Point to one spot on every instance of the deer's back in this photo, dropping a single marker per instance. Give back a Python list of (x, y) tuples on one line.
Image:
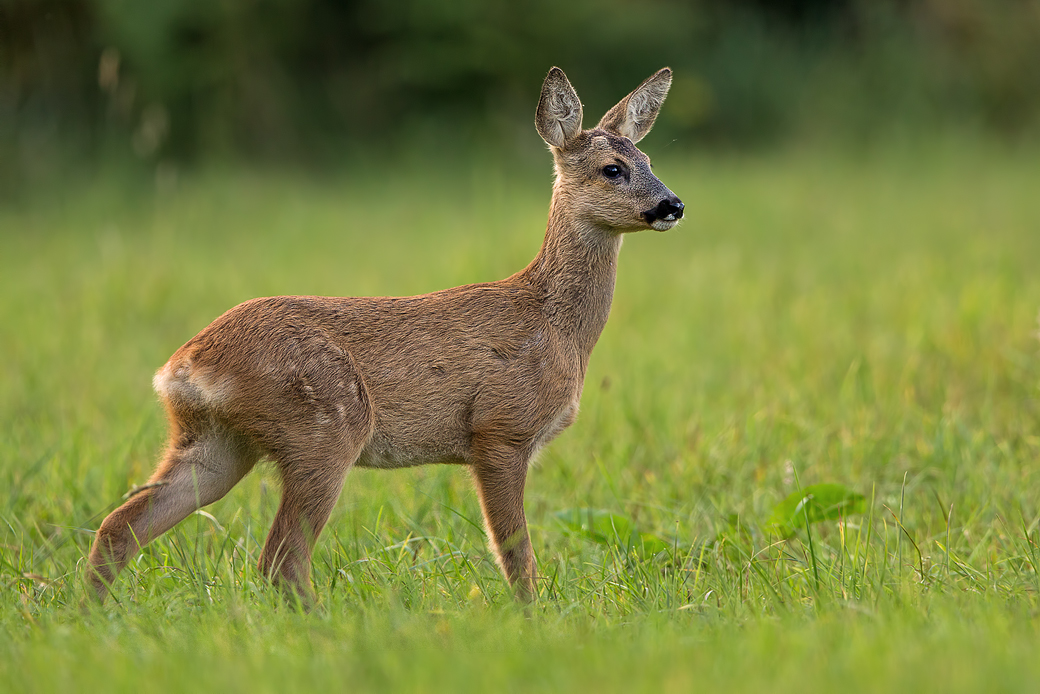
[(427, 374)]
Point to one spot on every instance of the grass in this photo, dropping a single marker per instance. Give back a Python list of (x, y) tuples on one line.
[(867, 319)]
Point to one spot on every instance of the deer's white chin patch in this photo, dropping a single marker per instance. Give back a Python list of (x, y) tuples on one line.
[(663, 224)]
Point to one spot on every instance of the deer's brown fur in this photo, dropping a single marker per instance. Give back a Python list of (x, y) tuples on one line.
[(482, 375)]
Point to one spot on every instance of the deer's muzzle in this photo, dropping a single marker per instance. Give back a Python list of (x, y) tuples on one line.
[(668, 210)]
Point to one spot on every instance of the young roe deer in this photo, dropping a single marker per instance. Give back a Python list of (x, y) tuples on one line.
[(482, 375)]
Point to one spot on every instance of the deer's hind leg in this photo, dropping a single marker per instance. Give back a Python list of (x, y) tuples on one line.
[(203, 462), (313, 449)]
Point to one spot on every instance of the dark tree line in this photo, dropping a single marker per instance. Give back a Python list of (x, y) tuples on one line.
[(182, 78)]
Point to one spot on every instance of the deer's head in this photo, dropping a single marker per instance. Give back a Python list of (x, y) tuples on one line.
[(602, 177)]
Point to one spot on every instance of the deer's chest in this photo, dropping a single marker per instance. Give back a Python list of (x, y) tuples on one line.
[(562, 419)]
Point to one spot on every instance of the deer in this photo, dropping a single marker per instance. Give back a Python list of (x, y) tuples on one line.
[(482, 375)]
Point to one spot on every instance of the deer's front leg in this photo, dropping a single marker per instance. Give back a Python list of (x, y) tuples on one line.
[(500, 473)]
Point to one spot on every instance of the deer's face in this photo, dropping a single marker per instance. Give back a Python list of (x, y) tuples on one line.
[(601, 175), (610, 182)]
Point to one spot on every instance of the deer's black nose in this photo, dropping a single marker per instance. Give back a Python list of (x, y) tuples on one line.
[(669, 209)]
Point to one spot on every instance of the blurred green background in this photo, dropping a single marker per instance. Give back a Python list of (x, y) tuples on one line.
[(319, 81)]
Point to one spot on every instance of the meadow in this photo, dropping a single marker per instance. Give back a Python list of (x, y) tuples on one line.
[(863, 317)]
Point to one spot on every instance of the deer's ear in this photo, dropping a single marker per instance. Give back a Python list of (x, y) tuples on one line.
[(558, 117), (634, 115)]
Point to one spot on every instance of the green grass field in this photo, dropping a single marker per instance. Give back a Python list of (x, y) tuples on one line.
[(862, 319)]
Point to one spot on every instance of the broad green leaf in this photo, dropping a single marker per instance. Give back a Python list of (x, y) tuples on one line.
[(817, 502), (608, 528)]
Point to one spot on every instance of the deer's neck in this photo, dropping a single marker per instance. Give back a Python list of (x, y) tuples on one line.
[(575, 271)]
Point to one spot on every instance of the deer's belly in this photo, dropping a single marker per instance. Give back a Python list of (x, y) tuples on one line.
[(388, 453)]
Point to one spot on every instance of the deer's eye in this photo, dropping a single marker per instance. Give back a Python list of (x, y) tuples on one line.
[(611, 171)]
